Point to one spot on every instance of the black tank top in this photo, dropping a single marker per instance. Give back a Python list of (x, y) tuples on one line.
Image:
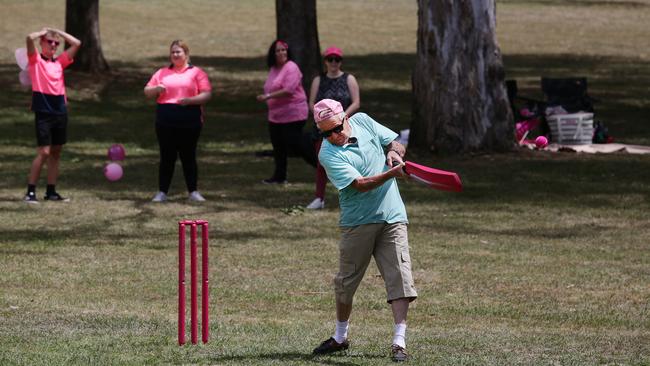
[(336, 89)]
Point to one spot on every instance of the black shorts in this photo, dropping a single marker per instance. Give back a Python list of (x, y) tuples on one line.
[(51, 129)]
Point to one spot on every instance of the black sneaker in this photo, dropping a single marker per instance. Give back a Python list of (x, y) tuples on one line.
[(274, 181), (55, 197), (398, 353), (30, 198), (330, 346)]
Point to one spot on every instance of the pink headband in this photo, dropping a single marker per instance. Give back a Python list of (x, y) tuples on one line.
[(283, 43)]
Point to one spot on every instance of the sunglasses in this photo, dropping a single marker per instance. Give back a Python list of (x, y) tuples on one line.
[(52, 42), (333, 59), (328, 133)]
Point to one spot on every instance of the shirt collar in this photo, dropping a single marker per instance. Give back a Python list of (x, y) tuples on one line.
[(53, 59), (352, 141), (189, 66)]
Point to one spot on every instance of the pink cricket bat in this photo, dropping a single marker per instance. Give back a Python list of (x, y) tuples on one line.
[(434, 178)]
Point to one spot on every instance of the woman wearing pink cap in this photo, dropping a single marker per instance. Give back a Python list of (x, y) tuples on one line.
[(287, 105), (181, 90), (337, 85)]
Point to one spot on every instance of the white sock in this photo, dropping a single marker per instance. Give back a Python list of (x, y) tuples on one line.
[(400, 335), (341, 333)]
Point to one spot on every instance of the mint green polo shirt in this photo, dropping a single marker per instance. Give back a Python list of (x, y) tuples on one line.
[(365, 158)]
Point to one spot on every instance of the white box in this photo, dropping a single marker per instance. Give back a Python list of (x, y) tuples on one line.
[(572, 129)]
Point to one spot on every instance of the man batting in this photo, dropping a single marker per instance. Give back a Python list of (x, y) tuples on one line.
[(373, 217)]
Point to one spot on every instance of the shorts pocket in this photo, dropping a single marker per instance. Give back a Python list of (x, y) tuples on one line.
[(405, 256)]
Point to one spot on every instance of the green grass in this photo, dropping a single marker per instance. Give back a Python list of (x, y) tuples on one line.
[(543, 259)]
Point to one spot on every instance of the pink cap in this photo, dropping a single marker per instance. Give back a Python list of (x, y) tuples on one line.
[(326, 109), (333, 51)]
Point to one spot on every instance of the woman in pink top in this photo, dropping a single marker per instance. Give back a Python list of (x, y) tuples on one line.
[(181, 90), (287, 104)]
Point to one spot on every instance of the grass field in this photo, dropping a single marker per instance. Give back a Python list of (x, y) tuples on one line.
[(543, 259)]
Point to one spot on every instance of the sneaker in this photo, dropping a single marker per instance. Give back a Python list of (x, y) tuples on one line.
[(159, 197), (196, 197), (55, 197), (316, 204), (274, 181), (398, 353), (330, 346), (30, 198)]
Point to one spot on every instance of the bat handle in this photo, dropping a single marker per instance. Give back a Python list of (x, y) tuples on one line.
[(396, 163)]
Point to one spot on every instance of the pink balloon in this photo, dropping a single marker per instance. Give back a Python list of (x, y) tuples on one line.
[(541, 142), (113, 171), (21, 58), (116, 152)]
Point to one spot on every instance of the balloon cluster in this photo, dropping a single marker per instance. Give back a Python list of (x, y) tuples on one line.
[(113, 171)]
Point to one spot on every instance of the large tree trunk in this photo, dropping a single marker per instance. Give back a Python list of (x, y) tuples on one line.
[(82, 21), (460, 100), (296, 25)]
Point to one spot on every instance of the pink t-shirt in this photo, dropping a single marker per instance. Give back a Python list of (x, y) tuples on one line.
[(189, 82), (291, 108), (47, 75)]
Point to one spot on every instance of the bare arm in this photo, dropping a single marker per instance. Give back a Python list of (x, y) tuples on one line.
[(313, 91), (71, 40), (154, 91), (280, 93), (396, 152), (365, 184), (31, 47), (198, 99), (354, 94)]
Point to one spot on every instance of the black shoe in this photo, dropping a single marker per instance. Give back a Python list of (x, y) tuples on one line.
[(330, 346), (30, 198), (398, 353), (55, 197), (274, 181)]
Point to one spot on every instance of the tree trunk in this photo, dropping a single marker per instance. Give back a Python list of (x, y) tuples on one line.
[(296, 25), (82, 21), (460, 99)]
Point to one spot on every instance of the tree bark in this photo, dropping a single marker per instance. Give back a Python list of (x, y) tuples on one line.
[(460, 99), (297, 25), (82, 21)]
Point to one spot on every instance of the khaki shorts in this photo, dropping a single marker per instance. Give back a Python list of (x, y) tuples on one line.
[(388, 244)]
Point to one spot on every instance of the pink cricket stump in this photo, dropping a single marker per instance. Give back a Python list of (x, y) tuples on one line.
[(193, 294), (181, 283), (205, 327), (205, 291)]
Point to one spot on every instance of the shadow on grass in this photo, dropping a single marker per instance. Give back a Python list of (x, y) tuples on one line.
[(118, 112), (336, 360)]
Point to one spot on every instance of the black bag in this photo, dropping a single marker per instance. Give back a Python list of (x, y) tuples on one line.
[(569, 93)]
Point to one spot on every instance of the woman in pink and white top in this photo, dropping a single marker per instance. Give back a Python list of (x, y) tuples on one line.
[(181, 90), (288, 110)]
